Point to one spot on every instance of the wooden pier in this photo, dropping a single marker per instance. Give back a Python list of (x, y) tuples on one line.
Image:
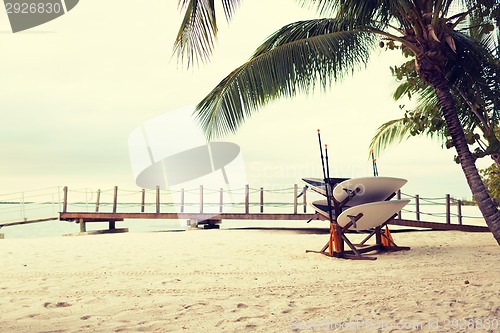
[(14, 223), (212, 220)]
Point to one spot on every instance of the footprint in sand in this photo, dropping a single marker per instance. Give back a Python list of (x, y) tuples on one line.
[(241, 306), (49, 305)]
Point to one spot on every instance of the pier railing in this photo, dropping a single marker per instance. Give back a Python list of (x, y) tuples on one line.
[(42, 204), (30, 206)]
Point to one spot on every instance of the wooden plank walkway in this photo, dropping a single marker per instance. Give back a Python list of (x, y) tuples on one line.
[(102, 217), (439, 226), (112, 217), (13, 223)]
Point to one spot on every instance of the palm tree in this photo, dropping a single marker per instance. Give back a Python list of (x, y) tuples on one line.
[(303, 54), (476, 100)]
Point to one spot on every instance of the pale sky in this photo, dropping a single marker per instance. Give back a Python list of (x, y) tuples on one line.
[(72, 91)]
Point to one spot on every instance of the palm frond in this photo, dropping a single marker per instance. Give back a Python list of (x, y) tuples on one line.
[(198, 31), (402, 90), (364, 12), (293, 60), (391, 132)]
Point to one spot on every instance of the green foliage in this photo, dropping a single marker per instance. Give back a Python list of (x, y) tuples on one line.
[(491, 179)]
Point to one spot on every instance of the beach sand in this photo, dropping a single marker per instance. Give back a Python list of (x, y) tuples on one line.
[(247, 280)]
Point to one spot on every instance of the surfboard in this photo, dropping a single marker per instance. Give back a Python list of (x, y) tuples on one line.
[(371, 189), (318, 184), (374, 214), (321, 206)]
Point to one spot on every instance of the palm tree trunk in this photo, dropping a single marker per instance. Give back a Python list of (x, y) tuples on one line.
[(496, 160), (486, 205)]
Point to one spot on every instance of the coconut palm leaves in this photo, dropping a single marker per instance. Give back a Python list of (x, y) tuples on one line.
[(293, 60), (196, 36)]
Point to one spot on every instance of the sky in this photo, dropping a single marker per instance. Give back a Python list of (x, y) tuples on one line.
[(74, 89)]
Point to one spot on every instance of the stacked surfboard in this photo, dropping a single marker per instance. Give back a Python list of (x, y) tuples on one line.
[(364, 203)]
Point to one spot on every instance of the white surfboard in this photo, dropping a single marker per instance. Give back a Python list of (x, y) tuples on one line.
[(318, 184), (371, 189), (374, 214)]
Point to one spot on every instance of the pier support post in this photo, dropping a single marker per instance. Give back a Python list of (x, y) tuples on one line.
[(295, 193), (448, 204), (98, 201), (193, 224), (417, 206), (157, 199), (247, 199), (304, 193), (221, 199), (115, 198), (262, 200), (65, 199), (143, 200), (398, 196), (459, 211), (83, 227)]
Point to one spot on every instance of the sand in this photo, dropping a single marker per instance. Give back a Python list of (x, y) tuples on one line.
[(247, 280)]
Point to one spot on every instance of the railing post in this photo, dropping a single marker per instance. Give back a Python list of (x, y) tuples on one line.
[(23, 208), (398, 196), (262, 200), (65, 199), (304, 191), (247, 199), (221, 199), (295, 193), (201, 198), (182, 200), (115, 199), (417, 206), (448, 215), (459, 211), (97, 202), (143, 200), (157, 199), (83, 227)]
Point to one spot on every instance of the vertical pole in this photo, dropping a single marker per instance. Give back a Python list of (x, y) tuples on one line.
[(97, 202), (459, 211), (59, 197), (417, 206), (295, 198), (262, 200), (143, 200), (83, 228), (305, 200), (398, 196), (53, 204), (221, 199), (448, 217), (182, 200), (115, 198), (201, 198), (23, 211), (65, 199), (247, 199), (86, 200), (378, 236), (157, 199)]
